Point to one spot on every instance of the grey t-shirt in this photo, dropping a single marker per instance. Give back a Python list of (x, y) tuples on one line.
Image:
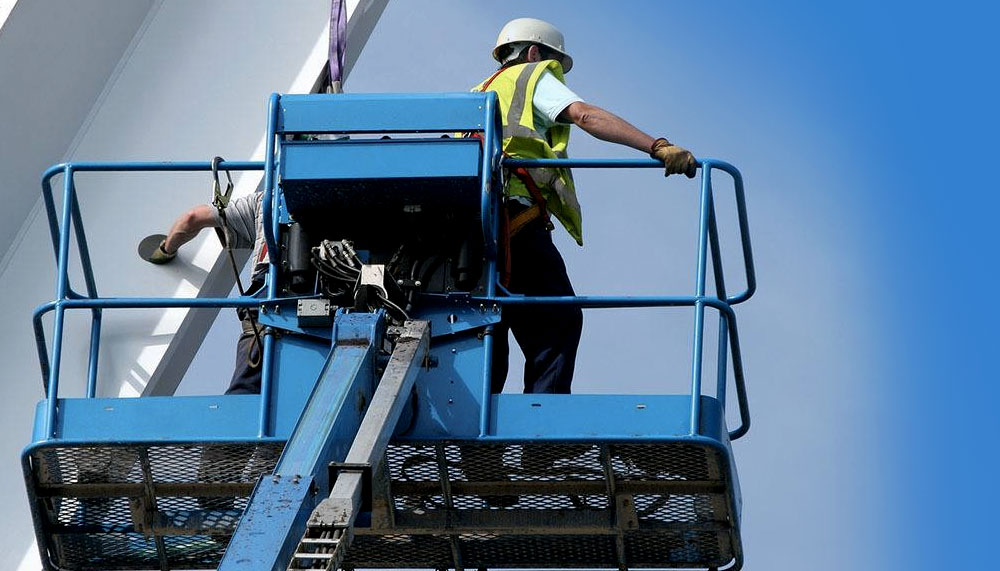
[(245, 228)]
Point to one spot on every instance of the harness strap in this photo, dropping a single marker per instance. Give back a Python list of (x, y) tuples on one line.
[(536, 210), (509, 227), (523, 218), (250, 326), (487, 83), (220, 200)]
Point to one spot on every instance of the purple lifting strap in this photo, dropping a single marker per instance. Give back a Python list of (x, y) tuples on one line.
[(338, 40)]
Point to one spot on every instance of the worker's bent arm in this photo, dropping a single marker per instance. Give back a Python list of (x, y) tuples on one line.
[(188, 225), (606, 126)]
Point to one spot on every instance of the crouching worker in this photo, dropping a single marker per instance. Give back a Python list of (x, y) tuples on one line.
[(239, 225)]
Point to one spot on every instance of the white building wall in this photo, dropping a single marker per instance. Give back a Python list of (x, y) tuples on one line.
[(128, 80), (55, 59)]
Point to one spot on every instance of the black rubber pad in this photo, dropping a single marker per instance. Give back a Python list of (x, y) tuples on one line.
[(149, 244)]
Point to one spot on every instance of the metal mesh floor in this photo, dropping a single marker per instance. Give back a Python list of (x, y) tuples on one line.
[(461, 505), (142, 506), (443, 505)]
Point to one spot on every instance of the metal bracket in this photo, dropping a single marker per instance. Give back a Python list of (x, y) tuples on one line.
[(314, 313), (329, 529), (338, 468)]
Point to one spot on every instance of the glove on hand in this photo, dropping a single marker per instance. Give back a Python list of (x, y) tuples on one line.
[(677, 160), (160, 256)]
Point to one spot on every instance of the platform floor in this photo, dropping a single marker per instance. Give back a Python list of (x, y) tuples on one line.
[(170, 506), (435, 505), (594, 505)]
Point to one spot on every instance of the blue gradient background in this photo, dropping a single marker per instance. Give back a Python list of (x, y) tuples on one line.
[(866, 134)]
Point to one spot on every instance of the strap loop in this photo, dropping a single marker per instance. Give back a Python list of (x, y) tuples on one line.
[(536, 195), (220, 199), (524, 217)]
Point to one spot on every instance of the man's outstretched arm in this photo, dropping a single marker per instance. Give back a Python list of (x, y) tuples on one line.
[(607, 126), (188, 225), (182, 231)]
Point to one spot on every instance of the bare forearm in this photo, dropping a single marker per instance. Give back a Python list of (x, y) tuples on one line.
[(187, 226), (607, 126)]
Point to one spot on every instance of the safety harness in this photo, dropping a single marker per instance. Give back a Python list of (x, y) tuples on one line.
[(510, 226), (220, 200), (537, 209)]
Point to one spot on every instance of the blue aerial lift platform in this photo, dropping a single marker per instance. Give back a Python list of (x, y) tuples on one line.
[(375, 441)]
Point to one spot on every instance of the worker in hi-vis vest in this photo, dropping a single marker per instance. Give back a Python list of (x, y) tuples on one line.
[(537, 109)]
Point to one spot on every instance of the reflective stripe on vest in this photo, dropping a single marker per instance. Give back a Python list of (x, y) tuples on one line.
[(515, 88)]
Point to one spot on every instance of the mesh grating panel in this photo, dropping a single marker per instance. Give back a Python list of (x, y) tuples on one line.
[(549, 464), (109, 514), (115, 527), (563, 479), (242, 463), (213, 515), (88, 464), (692, 548), (659, 462), (675, 548), (551, 551), (560, 461), (496, 463), (413, 463), (417, 503), (679, 508), (217, 515), (466, 502), (431, 551), (96, 551), (104, 532), (134, 551), (483, 463)]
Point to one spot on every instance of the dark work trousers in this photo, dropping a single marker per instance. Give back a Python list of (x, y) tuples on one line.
[(247, 373), (547, 335)]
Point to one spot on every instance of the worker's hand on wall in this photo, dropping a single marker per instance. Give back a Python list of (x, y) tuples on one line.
[(677, 160), (160, 256), (151, 249)]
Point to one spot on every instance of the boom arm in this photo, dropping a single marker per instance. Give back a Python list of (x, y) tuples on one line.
[(275, 518)]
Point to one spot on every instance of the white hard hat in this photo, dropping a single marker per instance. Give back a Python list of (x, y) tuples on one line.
[(533, 31)]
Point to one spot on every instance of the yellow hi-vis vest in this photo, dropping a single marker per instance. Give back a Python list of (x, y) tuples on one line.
[(515, 88)]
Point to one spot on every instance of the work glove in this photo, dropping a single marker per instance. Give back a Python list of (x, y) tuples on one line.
[(160, 256), (151, 250), (677, 160)]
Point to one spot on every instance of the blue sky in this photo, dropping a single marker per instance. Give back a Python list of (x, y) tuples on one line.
[(865, 132)]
